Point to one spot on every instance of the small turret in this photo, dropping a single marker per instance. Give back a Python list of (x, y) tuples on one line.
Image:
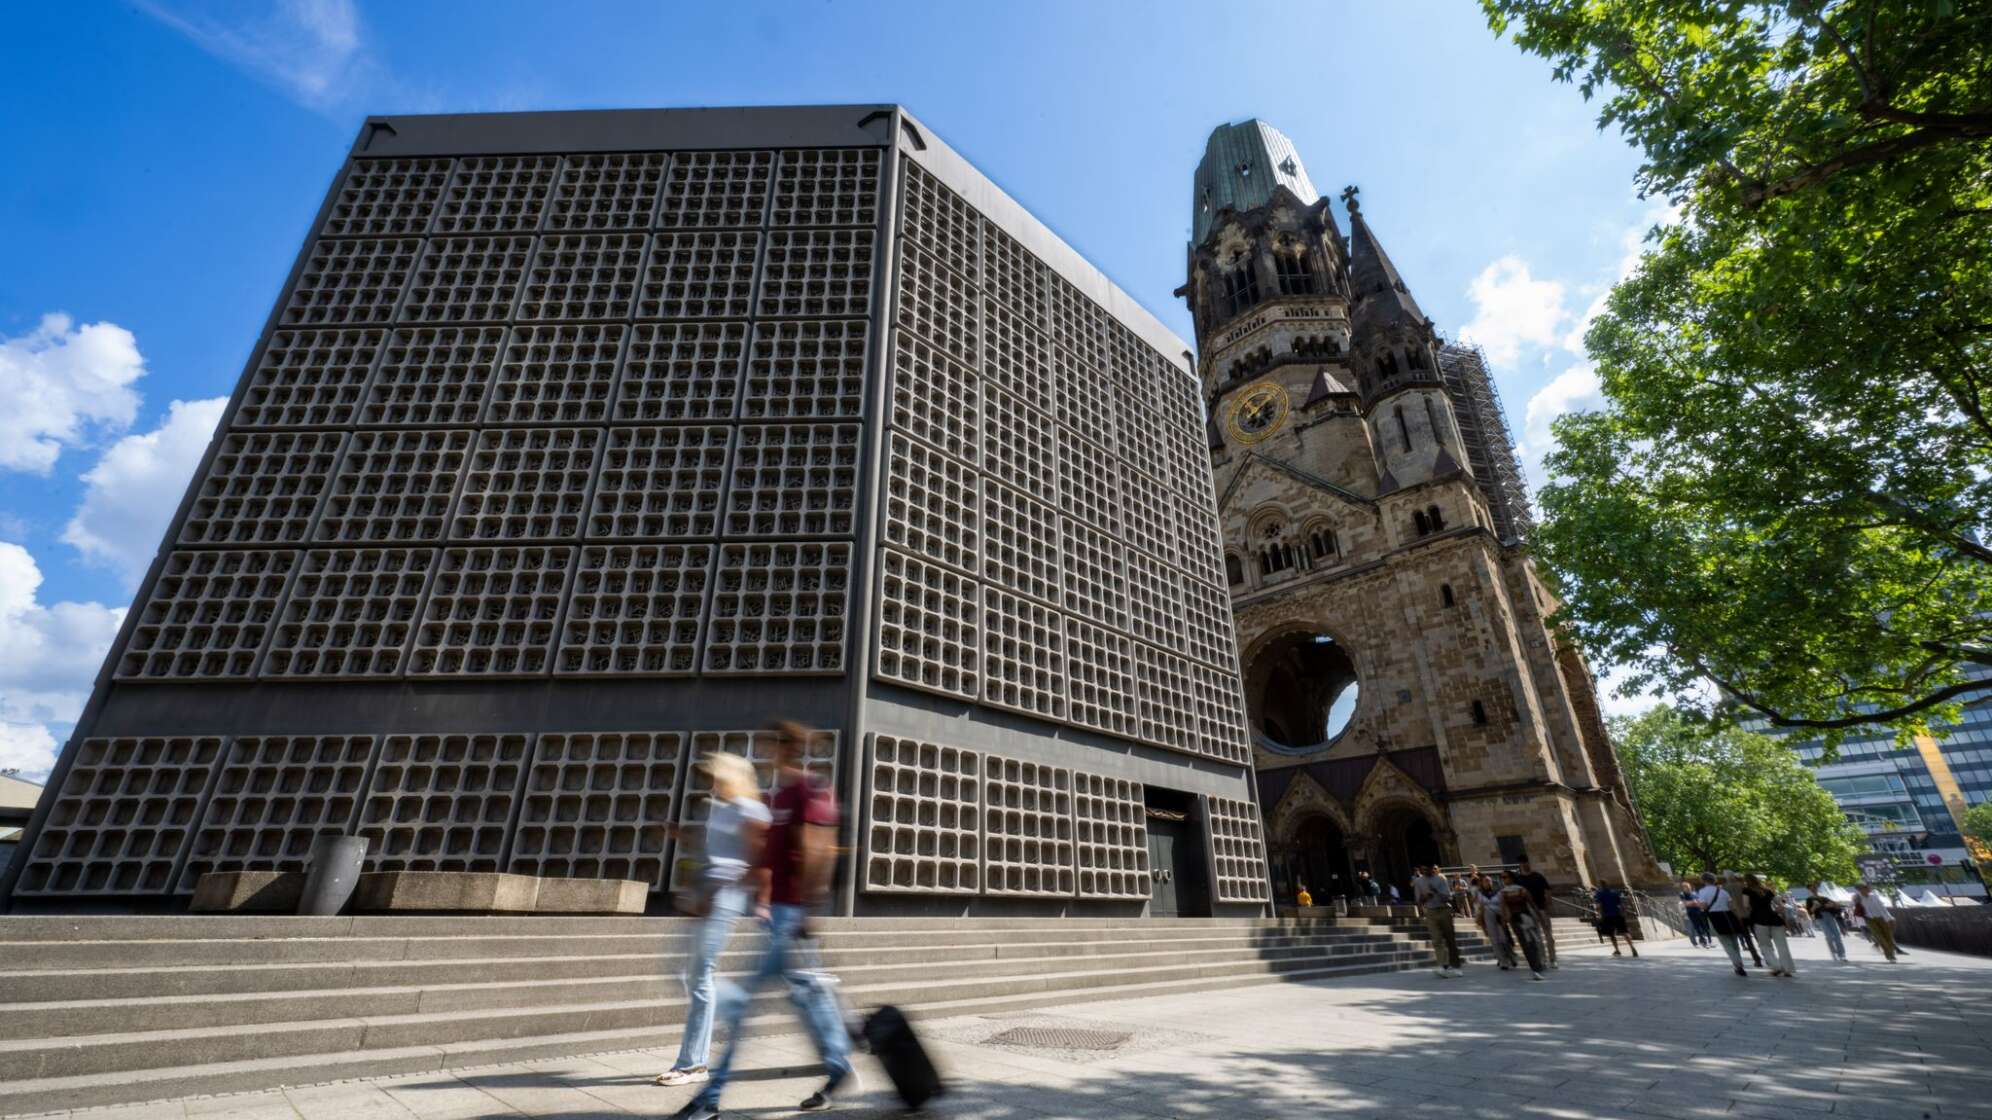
[(1411, 418)]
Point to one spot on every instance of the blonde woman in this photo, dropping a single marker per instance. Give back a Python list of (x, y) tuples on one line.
[(731, 839)]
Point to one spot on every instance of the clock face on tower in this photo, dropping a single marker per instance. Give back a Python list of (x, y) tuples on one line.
[(1257, 411)]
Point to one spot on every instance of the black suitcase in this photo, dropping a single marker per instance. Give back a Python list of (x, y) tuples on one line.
[(891, 1040)]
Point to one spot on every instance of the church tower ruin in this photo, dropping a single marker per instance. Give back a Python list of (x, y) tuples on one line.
[(1408, 701)]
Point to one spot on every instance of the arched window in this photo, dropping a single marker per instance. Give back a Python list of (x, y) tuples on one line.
[(1432, 515), (1432, 419), (1234, 570), (1241, 286), (1296, 272), (1479, 713), (1414, 357), (1321, 543), (1403, 429), (1445, 594), (1386, 366), (1418, 520)]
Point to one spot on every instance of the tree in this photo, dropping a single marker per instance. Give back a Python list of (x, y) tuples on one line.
[(1718, 798), (1787, 491), (1978, 823)]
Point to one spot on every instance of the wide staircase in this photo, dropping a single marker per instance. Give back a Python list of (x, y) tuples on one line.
[(109, 1010)]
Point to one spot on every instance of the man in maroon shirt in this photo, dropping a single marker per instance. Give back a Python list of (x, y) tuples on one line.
[(797, 857)]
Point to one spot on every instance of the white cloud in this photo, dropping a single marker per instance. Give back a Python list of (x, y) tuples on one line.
[(134, 490), (1632, 247), (1512, 308), (310, 49), (58, 384), (49, 656), (1575, 389)]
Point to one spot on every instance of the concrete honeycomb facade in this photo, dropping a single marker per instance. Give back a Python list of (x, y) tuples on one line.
[(579, 443)]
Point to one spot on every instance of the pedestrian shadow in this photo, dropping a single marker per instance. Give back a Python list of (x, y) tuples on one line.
[(1896, 1041)]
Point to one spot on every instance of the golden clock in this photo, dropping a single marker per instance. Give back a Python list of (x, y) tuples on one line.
[(1257, 411)]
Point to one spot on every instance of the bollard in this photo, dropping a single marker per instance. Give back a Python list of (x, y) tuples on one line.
[(335, 871)]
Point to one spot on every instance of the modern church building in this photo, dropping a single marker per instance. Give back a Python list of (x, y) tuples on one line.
[(579, 444)]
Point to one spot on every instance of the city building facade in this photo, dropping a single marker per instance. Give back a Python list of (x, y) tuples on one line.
[(1408, 700), (580, 444), (1910, 799)]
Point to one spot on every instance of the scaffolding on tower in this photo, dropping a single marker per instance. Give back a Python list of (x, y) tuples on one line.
[(1490, 446)]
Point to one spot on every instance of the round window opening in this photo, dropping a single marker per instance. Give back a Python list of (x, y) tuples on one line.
[(1304, 693)]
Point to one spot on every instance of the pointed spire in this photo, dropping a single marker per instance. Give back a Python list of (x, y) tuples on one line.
[(1373, 280), (1326, 385)]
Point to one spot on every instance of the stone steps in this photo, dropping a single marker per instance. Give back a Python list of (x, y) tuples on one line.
[(25, 988), (300, 1001)]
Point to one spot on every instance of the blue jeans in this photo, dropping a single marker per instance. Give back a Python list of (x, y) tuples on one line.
[(708, 942), (1698, 930), (811, 996), (1829, 924)]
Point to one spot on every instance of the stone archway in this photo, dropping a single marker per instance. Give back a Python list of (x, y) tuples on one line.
[(1309, 842), (1405, 839), (1302, 689), (1399, 825)]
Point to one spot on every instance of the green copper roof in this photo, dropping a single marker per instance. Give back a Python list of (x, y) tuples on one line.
[(1241, 164)]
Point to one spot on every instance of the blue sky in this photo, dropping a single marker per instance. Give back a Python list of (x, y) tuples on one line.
[(166, 157)]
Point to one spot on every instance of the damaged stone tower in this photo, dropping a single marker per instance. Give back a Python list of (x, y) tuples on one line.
[(1408, 701)]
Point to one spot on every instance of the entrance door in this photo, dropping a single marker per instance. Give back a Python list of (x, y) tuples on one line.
[(1176, 868), (1164, 837)]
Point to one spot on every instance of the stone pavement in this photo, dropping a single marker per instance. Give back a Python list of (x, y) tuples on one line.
[(1672, 1035)]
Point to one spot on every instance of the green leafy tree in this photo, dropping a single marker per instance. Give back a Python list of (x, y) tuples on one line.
[(1717, 798), (1978, 823), (1787, 491)]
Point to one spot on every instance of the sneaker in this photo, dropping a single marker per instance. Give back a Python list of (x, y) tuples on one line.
[(696, 1109), (1740, 972), (1616, 953), (1535, 976), (692, 1076), (820, 1100)]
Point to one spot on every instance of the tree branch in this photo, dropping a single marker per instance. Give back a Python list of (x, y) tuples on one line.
[(1755, 195), (1779, 719)]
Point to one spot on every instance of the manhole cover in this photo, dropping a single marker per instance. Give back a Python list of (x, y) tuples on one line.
[(1061, 1038)]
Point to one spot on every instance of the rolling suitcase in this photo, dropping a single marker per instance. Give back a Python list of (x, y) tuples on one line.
[(891, 1040)]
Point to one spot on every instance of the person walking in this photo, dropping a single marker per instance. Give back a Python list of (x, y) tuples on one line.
[(1717, 902), (1302, 898), (1519, 908), (1698, 927), (1488, 899), (1433, 896), (1770, 923), (794, 877), (1537, 885), (1611, 918), (1796, 919), (1370, 888), (1740, 906), (736, 826), (1873, 909), (1826, 915)]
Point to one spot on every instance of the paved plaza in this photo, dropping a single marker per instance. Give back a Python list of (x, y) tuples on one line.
[(1672, 1034)]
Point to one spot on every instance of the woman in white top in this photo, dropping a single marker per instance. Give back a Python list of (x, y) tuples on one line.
[(1715, 902), (736, 824)]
